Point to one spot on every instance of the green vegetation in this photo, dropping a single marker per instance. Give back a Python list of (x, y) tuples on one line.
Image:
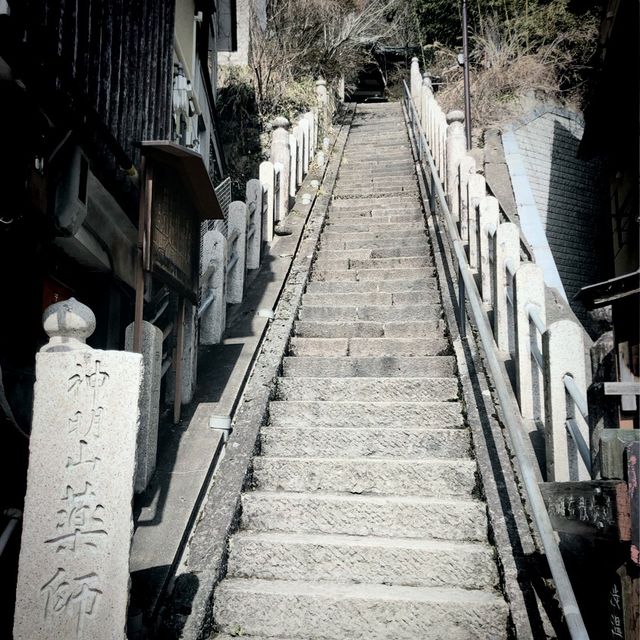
[(518, 50)]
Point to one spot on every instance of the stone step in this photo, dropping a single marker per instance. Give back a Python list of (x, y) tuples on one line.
[(366, 415), (376, 182), (357, 442), (373, 298), (358, 275), (369, 286), (406, 517), (401, 251), (391, 234), (373, 226), (376, 169), (400, 389), (364, 329), (367, 476), (339, 243), (347, 191), (382, 201), (374, 213), (396, 218), (369, 367), (371, 560), (402, 262), (358, 611), (400, 313), (354, 347)]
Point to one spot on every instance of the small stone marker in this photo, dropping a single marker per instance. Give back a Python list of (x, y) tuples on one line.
[(73, 580)]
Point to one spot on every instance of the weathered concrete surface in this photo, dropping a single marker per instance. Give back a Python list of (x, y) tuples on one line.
[(405, 613), (365, 447), (414, 442), (336, 558), (188, 613)]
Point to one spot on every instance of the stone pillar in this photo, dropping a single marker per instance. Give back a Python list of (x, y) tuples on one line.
[(528, 291), (466, 169), (415, 81), (477, 191), (456, 148), (426, 93), (507, 249), (563, 353), (237, 251), (310, 118), (294, 159), (297, 133), (304, 125), (280, 153), (277, 192), (322, 96), (254, 232), (147, 445), (266, 178), (213, 279), (73, 578), (189, 372), (489, 212)]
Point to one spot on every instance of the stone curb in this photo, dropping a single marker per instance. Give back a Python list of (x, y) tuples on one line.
[(507, 514), (188, 613)]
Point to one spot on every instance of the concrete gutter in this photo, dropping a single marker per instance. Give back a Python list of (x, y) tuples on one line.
[(188, 611)]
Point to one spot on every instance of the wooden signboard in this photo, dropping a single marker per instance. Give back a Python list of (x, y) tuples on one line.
[(598, 508)]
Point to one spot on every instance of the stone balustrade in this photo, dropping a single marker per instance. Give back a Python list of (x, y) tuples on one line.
[(550, 366)]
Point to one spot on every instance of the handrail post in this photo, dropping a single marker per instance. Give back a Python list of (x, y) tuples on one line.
[(267, 179), (477, 191), (238, 223), (563, 354), (416, 80), (489, 213), (456, 149), (466, 169), (507, 247), (528, 290)]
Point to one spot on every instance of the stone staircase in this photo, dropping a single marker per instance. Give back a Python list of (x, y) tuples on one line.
[(365, 520)]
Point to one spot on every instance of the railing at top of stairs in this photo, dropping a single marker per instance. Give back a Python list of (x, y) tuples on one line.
[(468, 291)]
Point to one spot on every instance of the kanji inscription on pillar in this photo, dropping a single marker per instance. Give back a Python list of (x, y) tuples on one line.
[(74, 562)]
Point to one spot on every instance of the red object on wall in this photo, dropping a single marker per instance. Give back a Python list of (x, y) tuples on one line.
[(54, 291)]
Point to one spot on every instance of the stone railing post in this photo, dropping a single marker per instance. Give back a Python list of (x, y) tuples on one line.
[(528, 291), (73, 576), (322, 96), (415, 81), (477, 191), (189, 371), (213, 285), (507, 249), (311, 118), (267, 180), (294, 158), (281, 153), (238, 250), (306, 137), (278, 193), (254, 213), (456, 148), (563, 354), (297, 132), (489, 213), (147, 446), (466, 169), (423, 107)]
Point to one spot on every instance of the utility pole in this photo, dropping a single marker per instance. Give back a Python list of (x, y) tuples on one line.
[(467, 88)]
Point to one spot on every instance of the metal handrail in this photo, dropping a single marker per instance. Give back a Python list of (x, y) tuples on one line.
[(511, 413), (583, 448), (579, 400)]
